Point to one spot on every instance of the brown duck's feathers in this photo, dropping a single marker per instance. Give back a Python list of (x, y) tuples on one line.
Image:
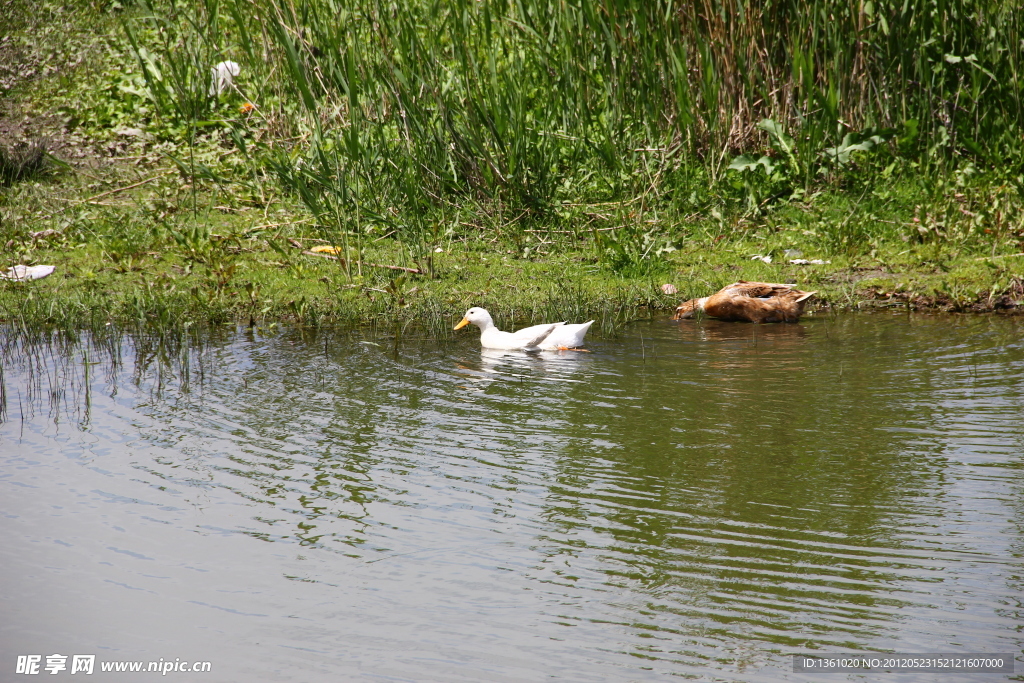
[(755, 302)]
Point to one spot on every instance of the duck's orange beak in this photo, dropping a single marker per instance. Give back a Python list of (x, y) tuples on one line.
[(462, 323)]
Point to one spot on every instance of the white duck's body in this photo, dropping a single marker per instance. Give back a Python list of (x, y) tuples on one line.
[(549, 337)]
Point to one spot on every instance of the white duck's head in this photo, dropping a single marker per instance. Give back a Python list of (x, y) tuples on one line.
[(478, 316)]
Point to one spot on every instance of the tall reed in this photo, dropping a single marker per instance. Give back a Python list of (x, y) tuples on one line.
[(406, 108)]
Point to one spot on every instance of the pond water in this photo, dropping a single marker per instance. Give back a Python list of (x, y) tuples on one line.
[(698, 500)]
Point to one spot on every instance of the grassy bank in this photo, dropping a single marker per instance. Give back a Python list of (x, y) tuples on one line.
[(545, 160)]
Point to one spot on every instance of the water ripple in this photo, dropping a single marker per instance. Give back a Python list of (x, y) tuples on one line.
[(700, 506)]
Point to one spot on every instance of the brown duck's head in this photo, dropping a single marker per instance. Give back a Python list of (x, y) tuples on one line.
[(688, 308)]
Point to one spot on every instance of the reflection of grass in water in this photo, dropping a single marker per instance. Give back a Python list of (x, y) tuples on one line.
[(56, 369), (61, 367)]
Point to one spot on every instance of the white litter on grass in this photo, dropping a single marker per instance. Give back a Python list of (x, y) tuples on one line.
[(757, 257), (22, 273), (808, 262), (224, 76)]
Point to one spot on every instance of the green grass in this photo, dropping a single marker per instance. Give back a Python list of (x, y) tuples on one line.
[(565, 158)]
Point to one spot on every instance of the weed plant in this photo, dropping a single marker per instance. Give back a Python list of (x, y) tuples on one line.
[(23, 162)]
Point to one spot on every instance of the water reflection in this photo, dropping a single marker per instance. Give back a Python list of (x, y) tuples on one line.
[(695, 499), (516, 366)]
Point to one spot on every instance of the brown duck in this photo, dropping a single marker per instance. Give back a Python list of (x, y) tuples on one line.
[(752, 302)]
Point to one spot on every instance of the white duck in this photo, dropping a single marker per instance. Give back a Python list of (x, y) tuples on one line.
[(550, 337)]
